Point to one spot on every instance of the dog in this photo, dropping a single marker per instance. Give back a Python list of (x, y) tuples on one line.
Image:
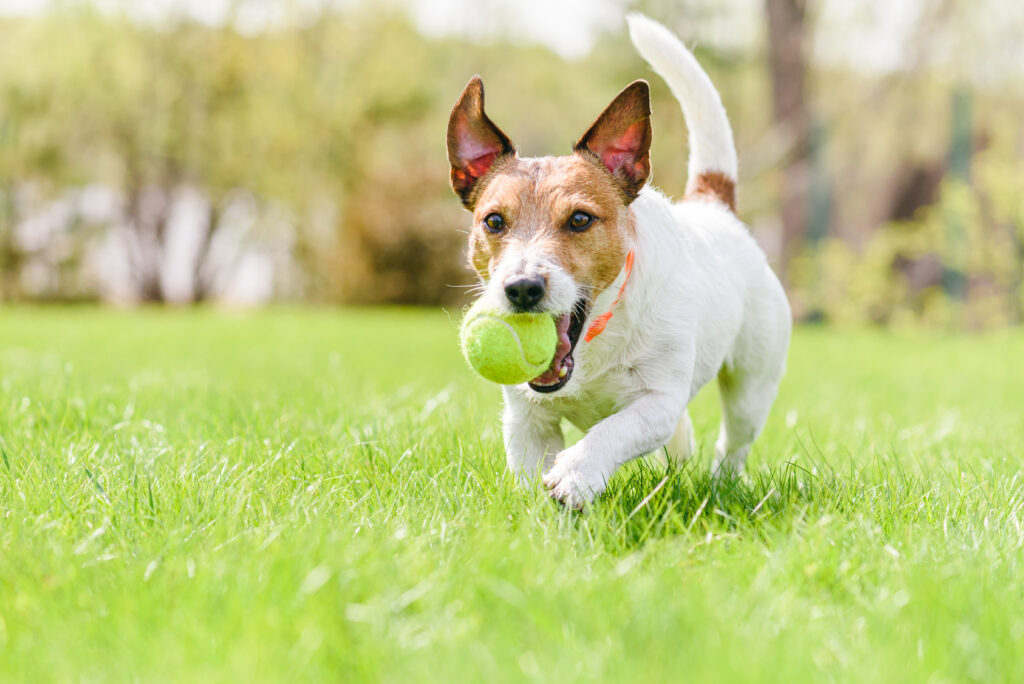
[(652, 298)]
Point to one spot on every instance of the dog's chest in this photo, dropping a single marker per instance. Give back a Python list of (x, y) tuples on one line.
[(598, 399)]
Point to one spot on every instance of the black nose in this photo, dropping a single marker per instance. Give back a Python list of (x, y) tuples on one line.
[(524, 293)]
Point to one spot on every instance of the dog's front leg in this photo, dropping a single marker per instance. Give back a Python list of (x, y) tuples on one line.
[(582, 471), (533, 436)]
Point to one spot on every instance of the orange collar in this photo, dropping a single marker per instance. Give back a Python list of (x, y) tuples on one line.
[(597, 327)]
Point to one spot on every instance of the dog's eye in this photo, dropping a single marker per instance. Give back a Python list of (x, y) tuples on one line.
[(580, 221), (494, 223)]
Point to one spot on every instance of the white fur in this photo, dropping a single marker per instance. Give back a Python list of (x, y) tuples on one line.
[(702, 303)]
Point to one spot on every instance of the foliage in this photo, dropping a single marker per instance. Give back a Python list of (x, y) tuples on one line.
[(317, 145), (975, 229), (296, 495), (295, 118)]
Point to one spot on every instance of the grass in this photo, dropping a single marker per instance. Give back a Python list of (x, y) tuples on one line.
[(319, 495)]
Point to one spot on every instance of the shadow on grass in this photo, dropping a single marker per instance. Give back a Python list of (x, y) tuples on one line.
[(652, 502), (648, 502)]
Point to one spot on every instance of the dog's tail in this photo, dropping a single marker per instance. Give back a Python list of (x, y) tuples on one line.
[(713, 168)]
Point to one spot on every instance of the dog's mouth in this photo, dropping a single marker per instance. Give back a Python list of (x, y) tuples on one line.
[(569, 327)]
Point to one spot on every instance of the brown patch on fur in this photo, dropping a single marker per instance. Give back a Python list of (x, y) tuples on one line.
[(536, 197), (712, 185)]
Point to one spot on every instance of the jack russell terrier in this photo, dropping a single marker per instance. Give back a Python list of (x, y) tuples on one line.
[(652, 298)]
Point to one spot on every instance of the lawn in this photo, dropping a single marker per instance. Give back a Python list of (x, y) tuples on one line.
[(319, 495)]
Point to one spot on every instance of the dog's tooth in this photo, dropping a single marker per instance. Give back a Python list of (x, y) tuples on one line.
[(563, 371)]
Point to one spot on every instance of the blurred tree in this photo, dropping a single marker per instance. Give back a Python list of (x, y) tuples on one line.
[(960, 149), (787, 39), (10, 254)]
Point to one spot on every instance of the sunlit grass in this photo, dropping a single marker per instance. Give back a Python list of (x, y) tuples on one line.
[(320, 495)]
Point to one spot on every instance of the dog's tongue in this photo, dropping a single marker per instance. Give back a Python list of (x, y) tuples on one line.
[(554, 372)]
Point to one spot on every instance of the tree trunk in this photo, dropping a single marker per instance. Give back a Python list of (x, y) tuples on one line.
[(201, 278), (787, 31), (9, 253)]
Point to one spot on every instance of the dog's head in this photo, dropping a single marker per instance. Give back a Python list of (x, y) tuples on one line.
[(549, 234)]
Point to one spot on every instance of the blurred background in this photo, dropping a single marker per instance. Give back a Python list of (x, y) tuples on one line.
[(254, 151)]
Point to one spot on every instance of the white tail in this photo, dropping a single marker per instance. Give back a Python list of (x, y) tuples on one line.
[(712, 150)]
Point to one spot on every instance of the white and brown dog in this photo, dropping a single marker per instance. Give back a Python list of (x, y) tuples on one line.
[(652, 298)]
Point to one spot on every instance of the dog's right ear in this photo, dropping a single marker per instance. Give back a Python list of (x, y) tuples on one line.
[(474, 142)]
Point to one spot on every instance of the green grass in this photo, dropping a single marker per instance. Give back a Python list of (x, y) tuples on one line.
[(319, 495)]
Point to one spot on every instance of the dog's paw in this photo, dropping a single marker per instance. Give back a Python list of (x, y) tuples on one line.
[(573, 481), (728, 466)]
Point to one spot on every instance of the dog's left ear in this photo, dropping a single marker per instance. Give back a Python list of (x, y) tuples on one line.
[(474, 142), (621, 138)]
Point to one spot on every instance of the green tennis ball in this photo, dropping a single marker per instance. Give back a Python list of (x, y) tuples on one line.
[(508, 348)]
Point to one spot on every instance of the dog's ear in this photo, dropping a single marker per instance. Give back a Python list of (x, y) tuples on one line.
[(621, 138), (474, 142)]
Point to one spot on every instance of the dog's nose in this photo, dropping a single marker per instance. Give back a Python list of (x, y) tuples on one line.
[(525, 292)]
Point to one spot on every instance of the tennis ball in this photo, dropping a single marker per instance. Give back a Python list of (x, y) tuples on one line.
[(507, 348)]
